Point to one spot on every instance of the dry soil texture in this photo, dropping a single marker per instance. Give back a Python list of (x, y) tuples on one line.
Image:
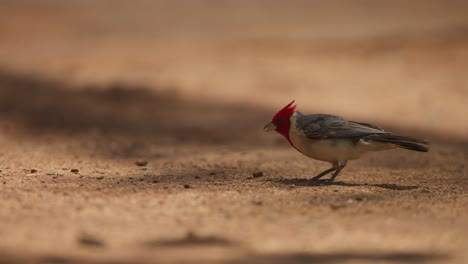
[(131, 131)]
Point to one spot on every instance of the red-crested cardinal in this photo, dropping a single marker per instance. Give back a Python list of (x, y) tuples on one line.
[(332, 139)]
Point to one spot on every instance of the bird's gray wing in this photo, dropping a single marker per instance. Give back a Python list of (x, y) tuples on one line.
[(320, 126)]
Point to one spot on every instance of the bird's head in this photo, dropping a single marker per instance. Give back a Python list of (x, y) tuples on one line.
[(280, 121)]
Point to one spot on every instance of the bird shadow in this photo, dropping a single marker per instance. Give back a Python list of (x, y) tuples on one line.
[(322, 183)]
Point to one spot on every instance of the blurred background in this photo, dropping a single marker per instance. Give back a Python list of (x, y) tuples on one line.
[(392, 62), (131, 131)]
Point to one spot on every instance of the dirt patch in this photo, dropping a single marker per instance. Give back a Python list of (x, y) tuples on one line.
[(131, 135)]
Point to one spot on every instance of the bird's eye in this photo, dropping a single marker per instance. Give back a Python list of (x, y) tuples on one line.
[(278, 120)]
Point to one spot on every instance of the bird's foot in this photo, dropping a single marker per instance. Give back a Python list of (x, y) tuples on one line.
[(316, 179)]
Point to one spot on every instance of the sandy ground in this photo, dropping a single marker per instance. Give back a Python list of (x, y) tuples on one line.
[(88, 89)]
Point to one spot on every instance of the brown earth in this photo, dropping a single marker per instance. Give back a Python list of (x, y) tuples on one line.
[(92, 90)]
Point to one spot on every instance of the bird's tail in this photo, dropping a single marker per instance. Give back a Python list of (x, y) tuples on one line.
[(400, 141)]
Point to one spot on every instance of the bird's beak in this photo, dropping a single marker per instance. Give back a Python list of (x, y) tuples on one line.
[(269, 127)]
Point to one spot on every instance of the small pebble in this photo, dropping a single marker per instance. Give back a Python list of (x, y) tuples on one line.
[(186, 186), (75, 170), (360, 198), (100, 178), (257, 174), (141, 163), (337, 206), (33, 171)]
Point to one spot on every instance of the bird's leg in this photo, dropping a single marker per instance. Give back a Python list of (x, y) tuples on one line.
[(323, 173), (338, 170), (336, 165)]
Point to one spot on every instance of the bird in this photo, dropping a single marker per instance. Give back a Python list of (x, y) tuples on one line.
[(335, 140)]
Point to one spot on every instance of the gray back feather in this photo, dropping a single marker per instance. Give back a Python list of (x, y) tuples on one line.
[(321, 126)]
